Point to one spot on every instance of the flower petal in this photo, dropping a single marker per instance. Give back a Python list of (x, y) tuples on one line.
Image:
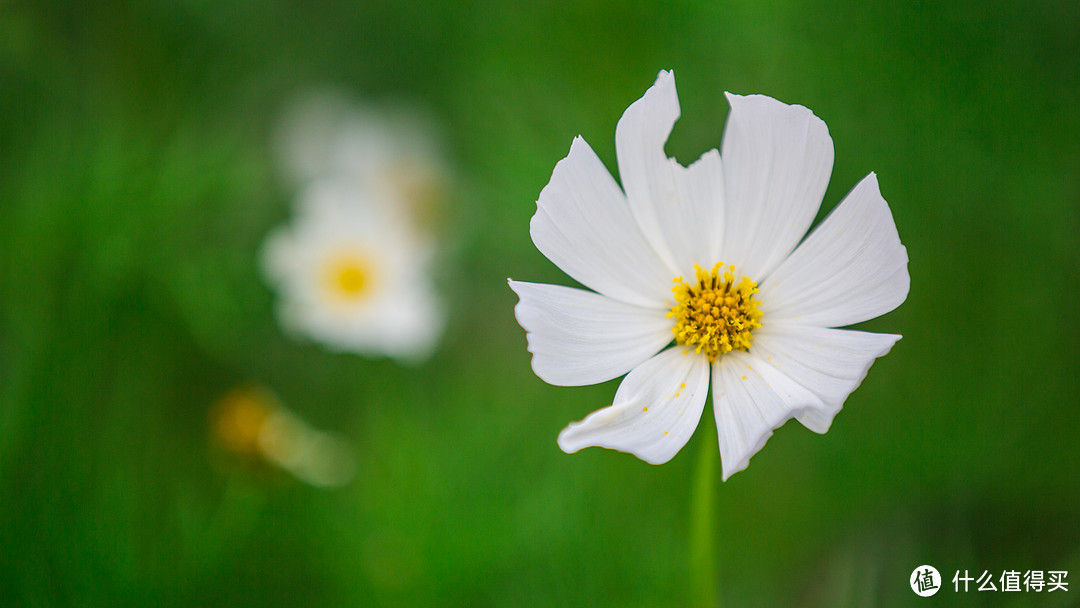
[(850, 269), (750, 399), (830, 363), (579, 337), (679, 209), (404, 322), (414, 318), (656, 409), (583, 225), (777, 161), (701, 211)]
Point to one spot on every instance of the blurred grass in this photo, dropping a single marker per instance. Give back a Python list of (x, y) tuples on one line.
[(137, 183)]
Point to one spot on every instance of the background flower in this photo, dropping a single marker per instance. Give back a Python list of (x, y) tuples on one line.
[(250, 422), (353, 270), (138, 183), (353, 274), (390, 152)]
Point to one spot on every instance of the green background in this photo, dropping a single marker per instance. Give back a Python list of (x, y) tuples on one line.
[(137, 182)]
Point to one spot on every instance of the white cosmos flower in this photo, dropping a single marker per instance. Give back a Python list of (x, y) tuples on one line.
[(353, 275), (391, 152), (757, 310)]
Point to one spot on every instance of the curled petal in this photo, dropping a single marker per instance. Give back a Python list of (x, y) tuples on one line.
[(830, 363), (646, 174), (656, 409), (679, 209), (750, 400)]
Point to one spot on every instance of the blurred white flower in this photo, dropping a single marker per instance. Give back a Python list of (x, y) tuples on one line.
[(757, 315), (353, 268), (353, 275), (391, 153)]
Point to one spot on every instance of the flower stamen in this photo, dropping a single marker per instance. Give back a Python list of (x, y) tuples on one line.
[(717, 315)]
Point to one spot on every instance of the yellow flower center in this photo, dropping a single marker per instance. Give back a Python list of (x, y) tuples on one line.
[(349, 277), (715, 316)]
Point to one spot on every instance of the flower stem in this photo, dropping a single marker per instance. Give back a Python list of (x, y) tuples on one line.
[(703, 571)]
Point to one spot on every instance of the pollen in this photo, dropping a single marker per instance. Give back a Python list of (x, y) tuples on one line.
[(717, 315)]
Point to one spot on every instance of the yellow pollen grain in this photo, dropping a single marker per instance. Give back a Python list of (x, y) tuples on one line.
[(665, 432), (717, 315), (645, 408)]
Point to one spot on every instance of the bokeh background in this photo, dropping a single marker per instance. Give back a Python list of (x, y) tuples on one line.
[(137, 181)]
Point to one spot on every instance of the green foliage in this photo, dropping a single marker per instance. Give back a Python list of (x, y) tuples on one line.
[(137, 182)]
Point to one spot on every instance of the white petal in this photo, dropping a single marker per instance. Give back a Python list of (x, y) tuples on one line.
[(750, 399), (399, 315), (277, 259), (308, 132), (656, 409), (830, 363), (404, 320), (850, 269), (777, 160), (700, 212), (416, 322), (585, 227), (678, 209), (579, 337)]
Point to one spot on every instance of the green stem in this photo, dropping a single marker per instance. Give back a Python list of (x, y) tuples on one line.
[(703, 571)]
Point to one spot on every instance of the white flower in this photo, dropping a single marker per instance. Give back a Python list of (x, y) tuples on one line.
[(391, 153), (756, 316), (353, 275), (353, 269)]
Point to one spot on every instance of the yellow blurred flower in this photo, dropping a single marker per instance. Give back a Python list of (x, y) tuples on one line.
[(251, 422)]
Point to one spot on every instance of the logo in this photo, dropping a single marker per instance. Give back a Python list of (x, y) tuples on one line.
[(925, 581)]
